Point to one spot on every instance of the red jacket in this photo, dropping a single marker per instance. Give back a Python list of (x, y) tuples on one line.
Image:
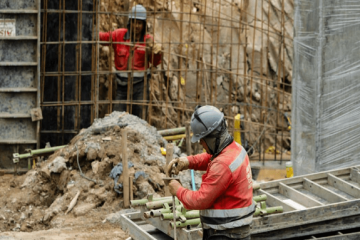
[(122, 52), (225, 196)]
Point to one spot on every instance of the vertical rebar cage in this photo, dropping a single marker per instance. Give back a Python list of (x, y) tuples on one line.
[(68, 68), (236, 55)]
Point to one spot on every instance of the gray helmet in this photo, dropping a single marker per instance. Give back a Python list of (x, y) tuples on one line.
[(138, 12), (204, 121)]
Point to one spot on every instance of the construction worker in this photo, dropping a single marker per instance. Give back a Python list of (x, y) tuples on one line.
[(135, 55), (225, 196)]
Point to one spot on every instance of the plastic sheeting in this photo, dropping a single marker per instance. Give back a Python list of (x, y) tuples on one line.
[(326, 85), (115, 174)]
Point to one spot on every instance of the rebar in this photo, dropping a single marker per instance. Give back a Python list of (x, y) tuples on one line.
[(198, 63)]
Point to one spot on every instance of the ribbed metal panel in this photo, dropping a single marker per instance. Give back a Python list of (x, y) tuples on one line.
[(19, 77)]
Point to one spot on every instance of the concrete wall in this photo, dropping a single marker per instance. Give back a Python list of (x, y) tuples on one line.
[(326, 85)]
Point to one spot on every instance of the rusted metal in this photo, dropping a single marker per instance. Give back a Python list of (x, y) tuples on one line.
[(211, 16)]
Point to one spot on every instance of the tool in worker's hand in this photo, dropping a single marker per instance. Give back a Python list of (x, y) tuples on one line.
[(167, 180), (176, 165)]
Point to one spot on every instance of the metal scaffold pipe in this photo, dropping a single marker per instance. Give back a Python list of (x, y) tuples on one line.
[(37, 152), (46, 150), (172, 131)]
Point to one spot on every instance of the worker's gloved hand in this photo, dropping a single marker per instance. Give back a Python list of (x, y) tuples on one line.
[(174, 186), (176, 165), (153, 47)]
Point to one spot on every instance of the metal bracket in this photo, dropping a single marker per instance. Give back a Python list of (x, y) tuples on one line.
[(16, 158), (36, 114)]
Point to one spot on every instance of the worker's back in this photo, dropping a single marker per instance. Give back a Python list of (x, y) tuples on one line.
[(234, 207)]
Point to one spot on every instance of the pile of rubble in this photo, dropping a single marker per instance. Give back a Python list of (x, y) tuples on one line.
[(81, 176)]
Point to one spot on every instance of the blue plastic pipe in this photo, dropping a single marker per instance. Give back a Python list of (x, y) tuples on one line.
[(193, 180)]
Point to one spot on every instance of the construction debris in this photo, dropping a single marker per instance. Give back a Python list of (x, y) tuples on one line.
[(83, 175)]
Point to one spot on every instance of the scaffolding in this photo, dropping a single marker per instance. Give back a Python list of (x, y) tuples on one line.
[(236, 55)]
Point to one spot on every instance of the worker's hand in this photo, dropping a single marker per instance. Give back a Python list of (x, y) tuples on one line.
[(157, 49), (176, 165), (174, 186), (153, 47)]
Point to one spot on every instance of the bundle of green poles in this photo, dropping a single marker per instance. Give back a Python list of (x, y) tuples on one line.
[(162, 208)]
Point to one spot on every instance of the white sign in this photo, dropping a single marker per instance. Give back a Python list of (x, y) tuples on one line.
[(7, 28)]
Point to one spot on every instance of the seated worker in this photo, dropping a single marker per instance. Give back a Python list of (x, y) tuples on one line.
[(133, 57), (225, 196)]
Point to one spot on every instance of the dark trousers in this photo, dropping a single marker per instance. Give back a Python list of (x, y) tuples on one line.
[(137, 96), (241, 233)]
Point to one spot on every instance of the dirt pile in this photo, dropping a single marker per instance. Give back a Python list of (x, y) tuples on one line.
[(76, 179)]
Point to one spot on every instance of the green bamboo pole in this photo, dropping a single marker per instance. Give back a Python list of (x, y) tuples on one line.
[(158, 212), (22, 156), (172, 131), (169, 216), (166, 209), (267, 211), (142, 202), (158, 204), (46, 150), (260, 198), (256, 186), (186, 224), (37, 152), (187, 215)]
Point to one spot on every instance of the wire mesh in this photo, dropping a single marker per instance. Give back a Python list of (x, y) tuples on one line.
[(235, 55)]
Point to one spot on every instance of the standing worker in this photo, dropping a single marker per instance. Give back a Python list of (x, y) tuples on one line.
[(225, 196), (134, 58)]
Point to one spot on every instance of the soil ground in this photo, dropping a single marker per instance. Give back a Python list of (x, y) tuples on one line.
[(88, 226)]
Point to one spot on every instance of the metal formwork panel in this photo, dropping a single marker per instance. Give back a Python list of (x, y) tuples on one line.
[(19, 76)]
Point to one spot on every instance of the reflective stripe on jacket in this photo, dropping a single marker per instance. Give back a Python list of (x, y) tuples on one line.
[(225, 196), (122, 52)]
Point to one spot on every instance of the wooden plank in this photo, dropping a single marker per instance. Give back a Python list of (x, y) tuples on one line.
[(322, 192), (355, 175), (274, 201), (343, 186), (298, 196)]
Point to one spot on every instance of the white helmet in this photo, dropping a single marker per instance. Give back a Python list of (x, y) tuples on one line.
[(138, 12), (204, 121)]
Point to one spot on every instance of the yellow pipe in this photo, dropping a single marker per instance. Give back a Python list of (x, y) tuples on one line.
[(237, 133), (175, 137)]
